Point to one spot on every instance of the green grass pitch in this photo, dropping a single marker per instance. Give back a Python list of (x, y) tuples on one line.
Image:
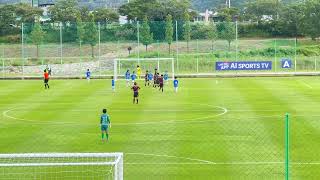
[(229, 128)]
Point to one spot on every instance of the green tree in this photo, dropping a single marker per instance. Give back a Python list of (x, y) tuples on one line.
[(138, 9), (260, 10), (228, 32), (146, 36), (104, 15), (169, 31), (7, 19), (212, 33), (37, 36), (91, 33), (187, 29), (26, 13), (84, 14), (290, 21), (155, 10), (64, 11), (310, 19), (80, 31), (11, 17), (228, 13)]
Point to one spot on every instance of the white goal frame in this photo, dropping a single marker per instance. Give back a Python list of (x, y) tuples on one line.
[(117, 163), (117, 64)]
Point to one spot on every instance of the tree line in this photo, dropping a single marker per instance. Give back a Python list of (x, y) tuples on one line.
[(156, 21)]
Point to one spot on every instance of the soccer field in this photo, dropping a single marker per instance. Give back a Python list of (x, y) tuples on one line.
[(228, 128)]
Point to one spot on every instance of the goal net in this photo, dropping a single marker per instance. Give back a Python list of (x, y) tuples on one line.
[(61, 166), (146, 64)]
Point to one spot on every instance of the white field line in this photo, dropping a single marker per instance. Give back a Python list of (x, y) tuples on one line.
[(156, 110), (125, 110), (223, 163), (304, 83), (195, 161), (194, 120), (171, 156)]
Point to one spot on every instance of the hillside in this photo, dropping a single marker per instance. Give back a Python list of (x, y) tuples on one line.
[(199, 5), (91, 4)]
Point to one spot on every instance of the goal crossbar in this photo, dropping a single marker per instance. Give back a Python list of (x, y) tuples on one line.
[(57, 164), (59, 155)]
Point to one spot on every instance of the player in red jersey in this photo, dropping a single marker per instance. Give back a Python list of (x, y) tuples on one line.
[(46, 79), (155, 77), (135, 89), (160, 79)]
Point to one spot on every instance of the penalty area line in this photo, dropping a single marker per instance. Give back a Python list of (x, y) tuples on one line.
[(221, 163), (306, 84)]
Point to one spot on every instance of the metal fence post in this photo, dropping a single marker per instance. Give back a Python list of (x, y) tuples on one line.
[(99, 38), (61, 51), (177, 45), (80, 59), (3, 68), (3, 56), (287, 146), (138, 37), (295, 56), (237, 40), (315, 63), (275, 55), (158, 48), (197, 56), (22, 48)]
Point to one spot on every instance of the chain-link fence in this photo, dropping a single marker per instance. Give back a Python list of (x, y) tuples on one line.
[(71, 48)]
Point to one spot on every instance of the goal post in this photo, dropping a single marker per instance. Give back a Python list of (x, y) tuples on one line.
[(62, 166), (162, 64)]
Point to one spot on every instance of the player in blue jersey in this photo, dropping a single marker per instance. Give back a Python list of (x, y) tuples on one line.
[(88, 75), (105, 123), (175, 84), (113, 85), (133, 77), (166, 76), (146, 79), (127, 76), (150, 77)]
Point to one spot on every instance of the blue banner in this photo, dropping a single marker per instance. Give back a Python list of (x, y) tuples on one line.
[(244, 65), (286, 63)]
